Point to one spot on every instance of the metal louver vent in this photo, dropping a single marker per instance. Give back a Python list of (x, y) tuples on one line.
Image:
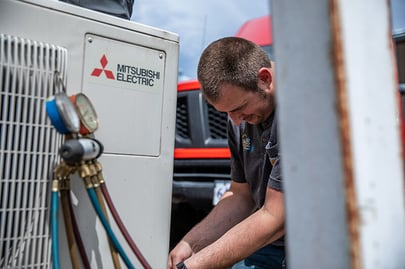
[(28, 149)]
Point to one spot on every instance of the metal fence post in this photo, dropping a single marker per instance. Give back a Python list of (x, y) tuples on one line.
[(340, 135)]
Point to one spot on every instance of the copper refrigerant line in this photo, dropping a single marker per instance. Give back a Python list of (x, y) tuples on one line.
[(75, 118)]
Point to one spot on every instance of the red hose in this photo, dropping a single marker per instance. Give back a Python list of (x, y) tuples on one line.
[(121, 226), (77, 235)]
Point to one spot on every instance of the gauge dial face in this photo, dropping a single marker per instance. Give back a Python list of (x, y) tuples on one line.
[(67, 112), (87, 113)]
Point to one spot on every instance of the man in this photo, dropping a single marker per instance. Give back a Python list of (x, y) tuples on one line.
[(247, 225)]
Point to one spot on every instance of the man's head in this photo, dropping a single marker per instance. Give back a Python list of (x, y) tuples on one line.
[(236, 77)]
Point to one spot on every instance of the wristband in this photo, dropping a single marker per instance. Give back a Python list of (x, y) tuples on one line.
[(181, 265)]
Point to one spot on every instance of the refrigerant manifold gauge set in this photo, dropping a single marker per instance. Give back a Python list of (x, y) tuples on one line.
[(75, 117), (74, 114)]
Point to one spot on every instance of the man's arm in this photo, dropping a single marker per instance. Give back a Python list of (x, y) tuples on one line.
[(256, 231), (234, 206)]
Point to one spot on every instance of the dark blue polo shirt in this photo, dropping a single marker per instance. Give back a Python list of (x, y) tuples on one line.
[(255, 158)]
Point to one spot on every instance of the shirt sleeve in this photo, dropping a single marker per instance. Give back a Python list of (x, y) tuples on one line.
[(273, 154), (234, 142), (275, 181)]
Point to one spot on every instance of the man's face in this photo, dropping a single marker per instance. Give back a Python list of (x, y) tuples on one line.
[(242, 105)]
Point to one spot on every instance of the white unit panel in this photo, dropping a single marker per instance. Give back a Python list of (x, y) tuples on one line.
[(136, 112), (130, 77)]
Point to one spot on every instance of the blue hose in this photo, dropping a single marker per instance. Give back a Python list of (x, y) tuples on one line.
[(107, 227), (54, 230)]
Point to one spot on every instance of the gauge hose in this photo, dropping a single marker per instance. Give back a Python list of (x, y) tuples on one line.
[(67, 216), (122, 227), (54, 228), (114, 253), (107, 227), (77, 235)]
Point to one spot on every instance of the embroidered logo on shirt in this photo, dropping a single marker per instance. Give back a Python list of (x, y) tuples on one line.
[(246, 145), (272, 159)]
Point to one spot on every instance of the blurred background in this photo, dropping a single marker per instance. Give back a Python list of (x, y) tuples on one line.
[(198, 23)]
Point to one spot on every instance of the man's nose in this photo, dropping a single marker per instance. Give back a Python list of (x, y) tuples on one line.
[(236, 117)]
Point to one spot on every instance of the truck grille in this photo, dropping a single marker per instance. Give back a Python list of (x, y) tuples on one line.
[(198, 121), (182, 126), (217, 123)]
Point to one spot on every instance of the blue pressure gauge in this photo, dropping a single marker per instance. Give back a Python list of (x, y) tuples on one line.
[(62, 114)]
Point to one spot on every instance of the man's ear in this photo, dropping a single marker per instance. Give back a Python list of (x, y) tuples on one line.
[(265, 77)]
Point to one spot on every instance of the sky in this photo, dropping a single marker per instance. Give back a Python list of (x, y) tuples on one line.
[(197, 23)]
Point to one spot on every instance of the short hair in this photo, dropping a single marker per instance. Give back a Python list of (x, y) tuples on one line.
[(230, 60)]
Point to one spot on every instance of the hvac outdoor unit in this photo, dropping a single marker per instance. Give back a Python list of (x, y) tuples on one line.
[(129, 71)]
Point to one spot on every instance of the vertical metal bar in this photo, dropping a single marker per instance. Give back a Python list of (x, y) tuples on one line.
[(340, 141), (28, 144), (25, 217), (374, 133), (38, 86), (17, 179), (13, 194), (40, 179), (345, 130), (20, 156), (4, 108), (42, 175), (310, 141), (11, 155)]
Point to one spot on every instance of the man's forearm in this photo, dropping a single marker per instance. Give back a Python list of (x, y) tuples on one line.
[(256, 231), (238, 243), (224, 216)]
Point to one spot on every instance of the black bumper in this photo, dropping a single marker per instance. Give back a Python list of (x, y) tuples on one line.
[(195, 193)]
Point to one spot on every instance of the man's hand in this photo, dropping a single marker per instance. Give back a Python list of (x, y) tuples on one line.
[(181, 252), (236, 205)]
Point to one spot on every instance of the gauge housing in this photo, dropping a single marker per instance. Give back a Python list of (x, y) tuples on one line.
[(62, 114), (86, 112)]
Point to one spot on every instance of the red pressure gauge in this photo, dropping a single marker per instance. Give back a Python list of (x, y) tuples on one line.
[(87, 113)]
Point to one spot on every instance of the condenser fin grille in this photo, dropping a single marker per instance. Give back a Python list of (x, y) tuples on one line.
[(28, 147)]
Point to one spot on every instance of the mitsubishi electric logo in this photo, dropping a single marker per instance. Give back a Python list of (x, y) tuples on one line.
[(128, 73), (97, 71)]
